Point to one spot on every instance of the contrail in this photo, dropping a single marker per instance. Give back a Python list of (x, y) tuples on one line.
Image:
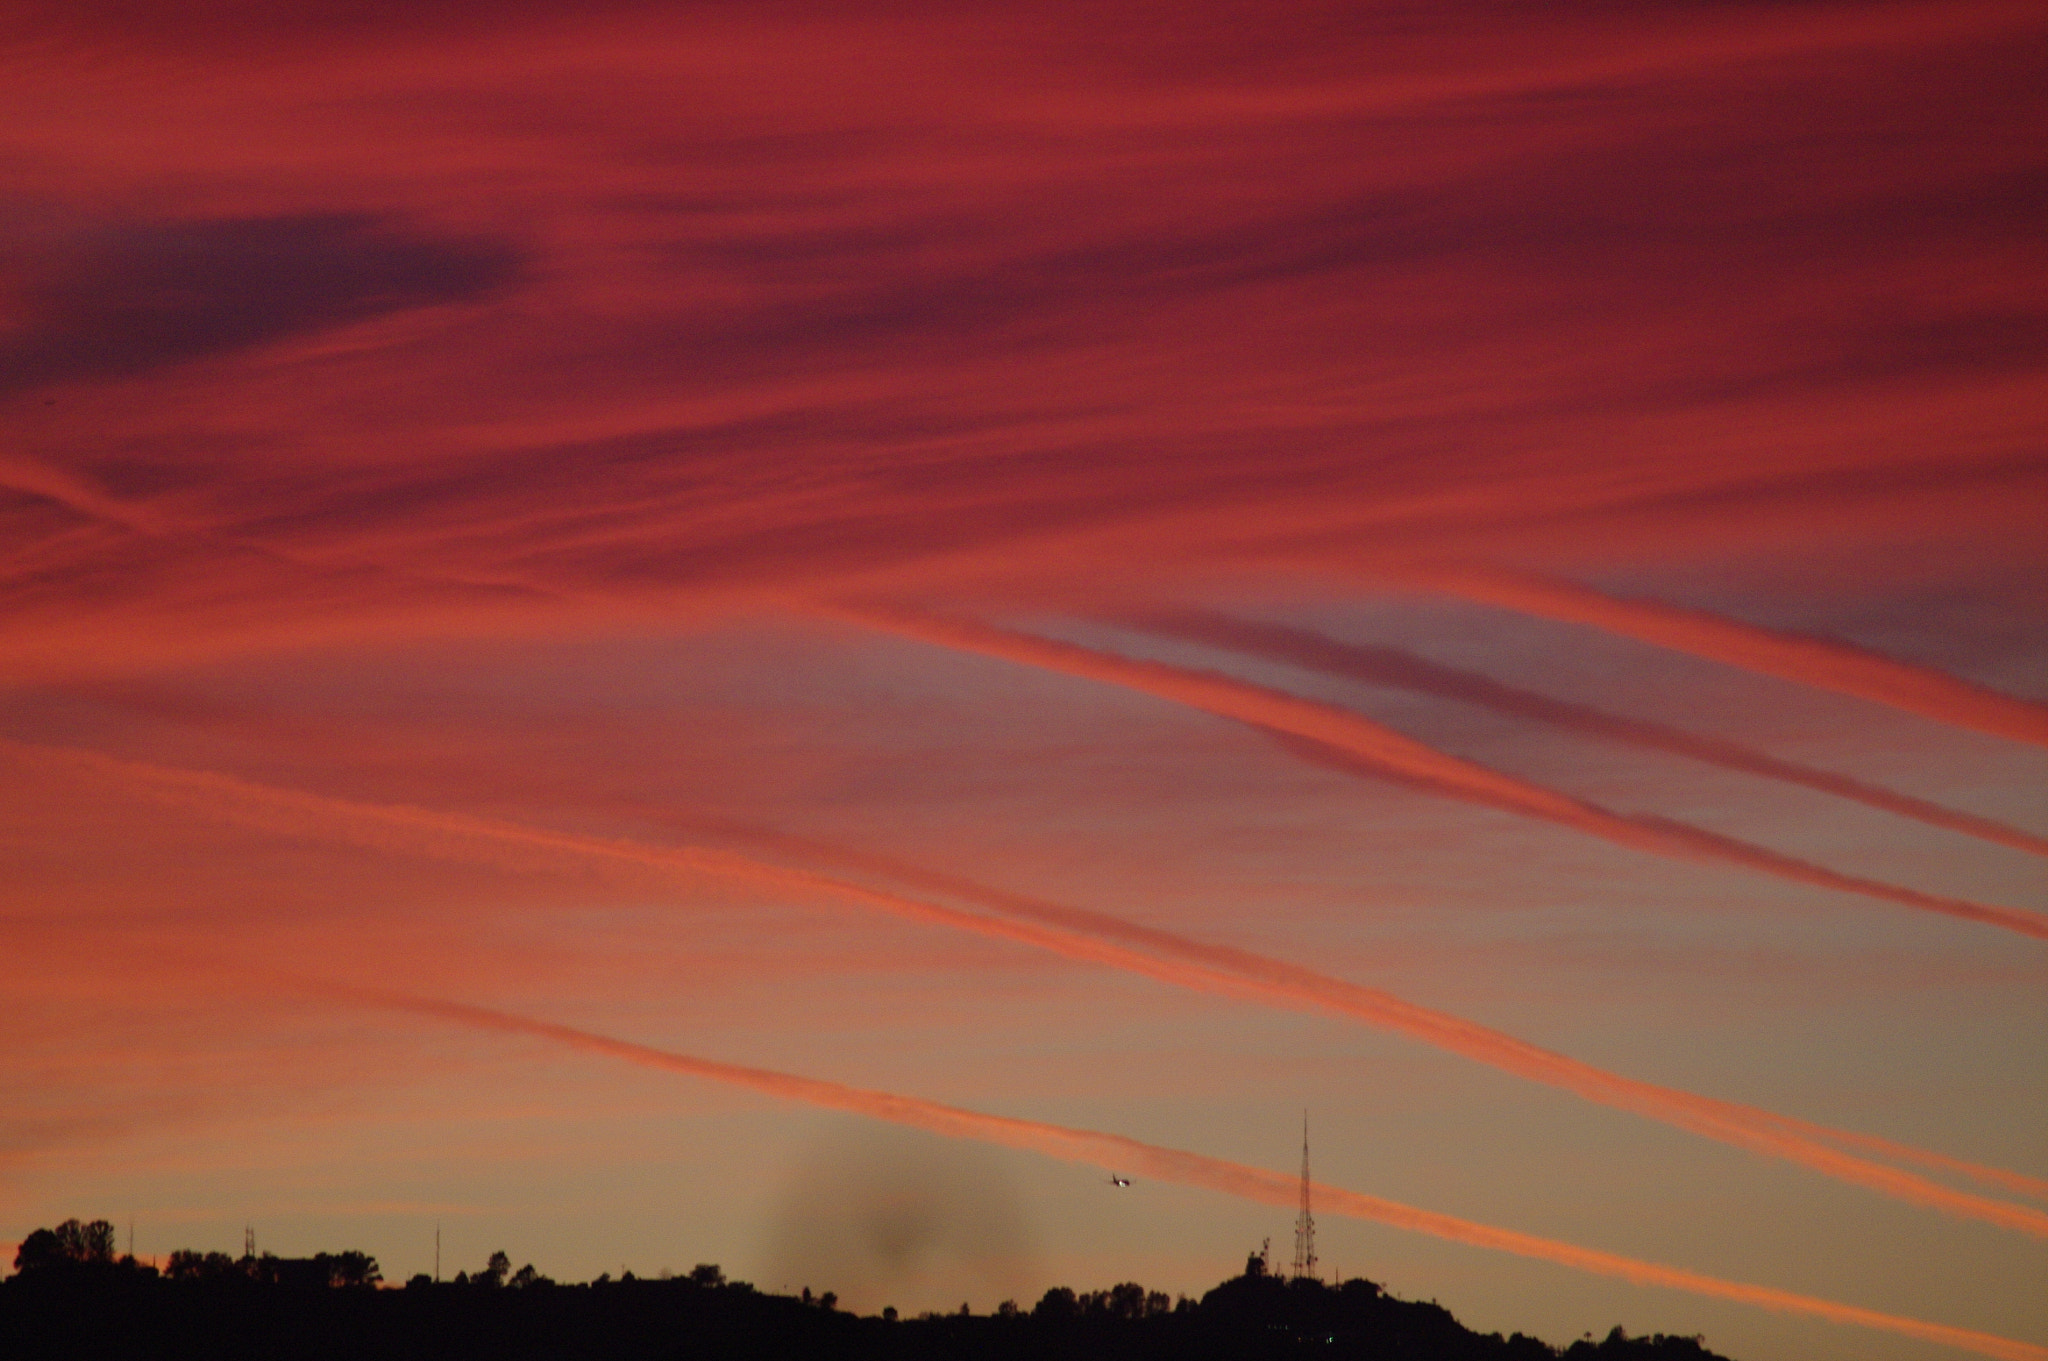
[(1818, 662), (1091, 937), (1386, 752), (1191, 1169), (1287, 985), (1404, 670)]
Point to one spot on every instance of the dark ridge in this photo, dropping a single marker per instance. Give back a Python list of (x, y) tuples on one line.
[(72, 1297)]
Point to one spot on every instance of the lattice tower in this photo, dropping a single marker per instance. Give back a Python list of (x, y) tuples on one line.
[(1305, 1222)]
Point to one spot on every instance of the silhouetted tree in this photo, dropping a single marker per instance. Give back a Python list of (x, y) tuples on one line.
[(92, 1242), (1058, 1302), (186, 1265), (707, 1274), (40, 1251), (494, 1271), (69, 1244), (1126, 1300), (344, 1269)]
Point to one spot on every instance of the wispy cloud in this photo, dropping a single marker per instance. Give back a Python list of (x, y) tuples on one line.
[(1823, 663), (1378, 749), (1387, 666), (1100, 939)]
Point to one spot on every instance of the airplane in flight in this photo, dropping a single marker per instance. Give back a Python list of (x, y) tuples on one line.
[(1115, 1180)]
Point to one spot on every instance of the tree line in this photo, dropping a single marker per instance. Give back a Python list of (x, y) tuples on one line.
[(72, 1295)]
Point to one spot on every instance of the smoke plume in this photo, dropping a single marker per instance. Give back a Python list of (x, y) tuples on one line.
[(880, 1215)]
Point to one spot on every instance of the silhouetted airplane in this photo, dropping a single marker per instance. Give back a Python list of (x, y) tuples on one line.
[(1115, 1180)]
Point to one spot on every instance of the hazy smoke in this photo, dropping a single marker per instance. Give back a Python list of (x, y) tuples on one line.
[(892, 1216)]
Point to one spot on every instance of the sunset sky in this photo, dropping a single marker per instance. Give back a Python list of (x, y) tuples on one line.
[(1477, 571)]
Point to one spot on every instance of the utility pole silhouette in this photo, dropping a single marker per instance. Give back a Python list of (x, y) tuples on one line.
[(437, 1254), (1305, 1222)]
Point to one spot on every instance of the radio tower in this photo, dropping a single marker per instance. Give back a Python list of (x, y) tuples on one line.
[(1305, 1222)]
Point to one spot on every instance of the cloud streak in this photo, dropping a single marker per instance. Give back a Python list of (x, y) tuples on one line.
[(1275, 982), (1378, 749), (1404, 670), (1821, 663), (1099, 939), (1184, 1168)]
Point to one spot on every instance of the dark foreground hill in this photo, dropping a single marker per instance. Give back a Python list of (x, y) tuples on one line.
[(330, 1309)]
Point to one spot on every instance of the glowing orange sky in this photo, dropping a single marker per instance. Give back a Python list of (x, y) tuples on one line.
[(1136, 568)]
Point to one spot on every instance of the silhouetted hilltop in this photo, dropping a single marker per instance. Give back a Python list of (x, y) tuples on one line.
[(72, 1297)]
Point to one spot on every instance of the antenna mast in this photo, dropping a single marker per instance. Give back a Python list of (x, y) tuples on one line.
[(1305, 1222)]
